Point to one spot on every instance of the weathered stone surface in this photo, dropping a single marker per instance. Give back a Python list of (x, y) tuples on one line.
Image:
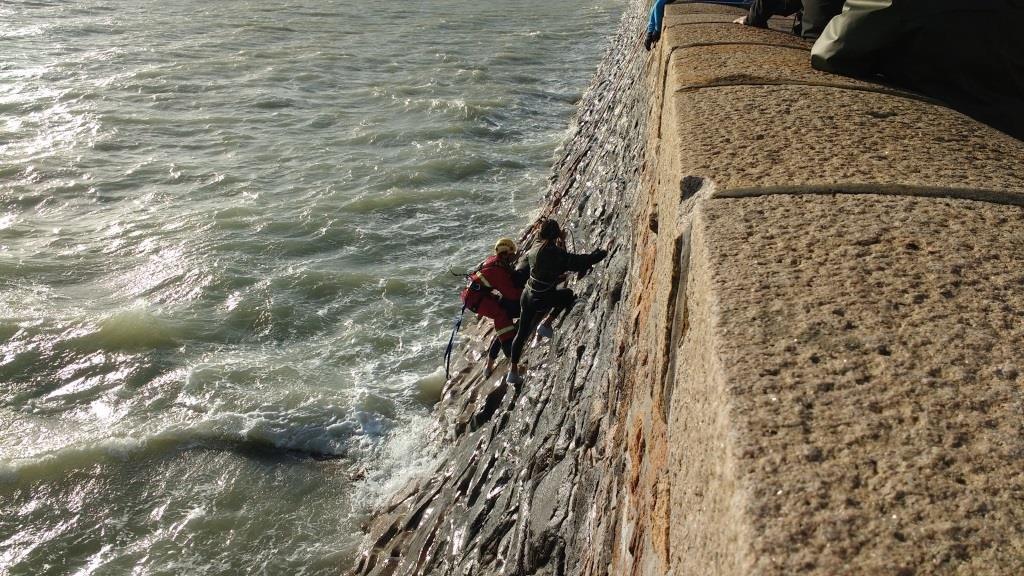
[(800, 358), (869, 381), (726, 16), (711, 533), (728, 64), (682, 34), (680, 9), (796, 137), (684, 14)]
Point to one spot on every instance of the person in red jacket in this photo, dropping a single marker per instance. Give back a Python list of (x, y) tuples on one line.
[(494, 291)]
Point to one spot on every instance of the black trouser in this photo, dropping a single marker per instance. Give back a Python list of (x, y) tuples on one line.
[(762, 10), (512, 307), (534, 306), (814, 14)]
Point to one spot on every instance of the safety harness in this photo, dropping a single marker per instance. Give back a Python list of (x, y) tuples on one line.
[(478, 286), (537, 285)]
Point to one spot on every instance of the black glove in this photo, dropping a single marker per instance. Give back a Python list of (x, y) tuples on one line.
[(598, 255), (651, 39), (583, 272)]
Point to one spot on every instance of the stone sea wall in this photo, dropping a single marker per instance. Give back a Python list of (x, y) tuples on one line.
[(804, 354)]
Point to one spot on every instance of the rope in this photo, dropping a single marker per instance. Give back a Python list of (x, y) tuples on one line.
[(451, 344), (560, 201)]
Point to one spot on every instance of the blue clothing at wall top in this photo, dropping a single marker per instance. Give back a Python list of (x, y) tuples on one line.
[(658, 13)]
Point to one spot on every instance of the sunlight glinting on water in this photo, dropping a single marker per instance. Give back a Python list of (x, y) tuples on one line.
[(225, 235)]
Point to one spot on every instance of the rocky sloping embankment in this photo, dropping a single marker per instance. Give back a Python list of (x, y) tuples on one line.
[(805, 354)]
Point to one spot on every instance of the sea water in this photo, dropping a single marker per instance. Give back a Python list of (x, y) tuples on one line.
[(226, 229)]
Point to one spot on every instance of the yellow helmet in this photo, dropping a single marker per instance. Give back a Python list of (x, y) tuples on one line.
[(505, 245)]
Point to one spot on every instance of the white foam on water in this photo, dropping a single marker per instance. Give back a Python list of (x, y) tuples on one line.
[(430, 387), (406, 455)]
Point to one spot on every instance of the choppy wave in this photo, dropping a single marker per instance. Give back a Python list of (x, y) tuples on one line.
[(225, 231), (133, 330), (325, 435)]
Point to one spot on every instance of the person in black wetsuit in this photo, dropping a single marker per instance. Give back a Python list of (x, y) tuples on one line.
[(546, 264)]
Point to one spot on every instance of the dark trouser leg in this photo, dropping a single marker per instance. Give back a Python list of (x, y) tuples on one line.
[(512, 309), (561, 301), (817, 15), (527, 322), (758, 14), (762, 10), (499, 345), (504, 328)]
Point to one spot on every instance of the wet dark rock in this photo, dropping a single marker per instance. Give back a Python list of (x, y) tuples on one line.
[(527, 479), (743, 386)]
